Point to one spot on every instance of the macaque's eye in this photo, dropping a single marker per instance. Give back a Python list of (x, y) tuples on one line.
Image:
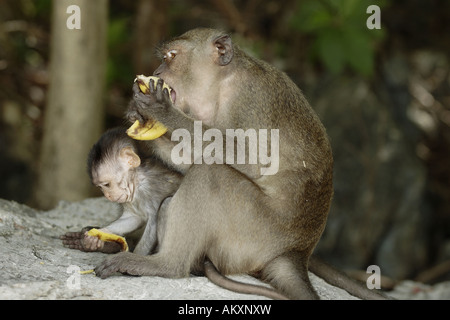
[(170, 55), (103, 185)]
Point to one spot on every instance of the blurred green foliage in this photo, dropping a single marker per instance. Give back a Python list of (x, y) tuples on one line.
[(339, 34), (119, 67)]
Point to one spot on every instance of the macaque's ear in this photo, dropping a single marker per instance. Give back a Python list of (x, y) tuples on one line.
[(129, 158), (224, 49)]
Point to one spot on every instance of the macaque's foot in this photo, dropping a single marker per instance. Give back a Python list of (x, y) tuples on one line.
[(81, 241), (124, 262)]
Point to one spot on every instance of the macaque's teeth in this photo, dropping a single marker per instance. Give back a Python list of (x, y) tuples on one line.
[(148, 131), (109, 237), (151, 129)]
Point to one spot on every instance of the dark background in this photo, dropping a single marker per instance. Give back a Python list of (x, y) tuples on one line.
[(383, 95)]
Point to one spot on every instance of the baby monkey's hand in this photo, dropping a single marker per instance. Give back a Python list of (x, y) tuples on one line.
[(83, 242)]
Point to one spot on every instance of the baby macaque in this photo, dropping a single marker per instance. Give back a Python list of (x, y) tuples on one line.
[(120, 167)]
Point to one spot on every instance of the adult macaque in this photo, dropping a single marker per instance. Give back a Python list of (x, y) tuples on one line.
[(242, 220), (117, 165)]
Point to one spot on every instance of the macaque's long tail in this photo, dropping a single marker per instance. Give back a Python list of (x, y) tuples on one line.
[(341, 280)]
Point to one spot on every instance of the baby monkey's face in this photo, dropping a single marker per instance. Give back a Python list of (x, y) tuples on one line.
[(116, 182)]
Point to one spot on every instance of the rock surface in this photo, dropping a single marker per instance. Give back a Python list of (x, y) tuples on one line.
[(35, 265)]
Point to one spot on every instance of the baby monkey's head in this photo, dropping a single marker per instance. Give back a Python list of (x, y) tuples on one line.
[(112, 164)]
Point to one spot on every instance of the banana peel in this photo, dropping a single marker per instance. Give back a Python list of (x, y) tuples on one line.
[(148, 131), (152, 129), (87, 271), (109, 237)]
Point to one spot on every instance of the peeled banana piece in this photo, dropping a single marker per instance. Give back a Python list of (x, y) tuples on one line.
[(108, 237), (152, 129), (144, 83)]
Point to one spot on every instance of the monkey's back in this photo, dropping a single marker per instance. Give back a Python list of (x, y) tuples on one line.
[(301, 191)]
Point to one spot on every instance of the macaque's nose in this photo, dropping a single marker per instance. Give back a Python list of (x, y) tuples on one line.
[(157, 72)]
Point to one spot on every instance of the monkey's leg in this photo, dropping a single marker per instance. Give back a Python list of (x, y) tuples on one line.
[(148, 238), (288, 273), (246, 239)]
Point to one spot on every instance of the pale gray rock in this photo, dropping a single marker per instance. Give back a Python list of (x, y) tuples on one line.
[(35, 265)]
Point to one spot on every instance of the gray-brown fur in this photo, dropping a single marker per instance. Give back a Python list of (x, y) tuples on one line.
[(241, 220)]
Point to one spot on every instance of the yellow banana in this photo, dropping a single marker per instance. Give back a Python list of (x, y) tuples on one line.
[(109, 237), (87, 271), (144, 83), (151, 129)]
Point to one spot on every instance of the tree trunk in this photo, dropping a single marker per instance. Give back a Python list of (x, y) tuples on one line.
[(74, 113), (150, 27)]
